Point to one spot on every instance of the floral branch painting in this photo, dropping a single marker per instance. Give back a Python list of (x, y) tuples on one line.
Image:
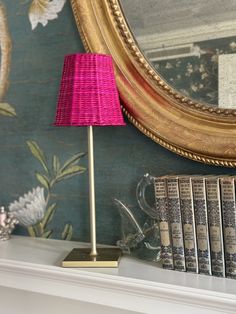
[(35, 210), (5, 46), (42, 11)]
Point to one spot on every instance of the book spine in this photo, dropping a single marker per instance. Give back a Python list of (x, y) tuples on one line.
[(201, 221), (188, 221), (163, 215), (229, 224), (215, 226), (175, 223)]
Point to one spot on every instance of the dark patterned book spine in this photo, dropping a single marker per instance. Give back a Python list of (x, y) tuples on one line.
[(175, 223), (188, 221), (201, 221), (229, 224), (163, 214), (215, 226)]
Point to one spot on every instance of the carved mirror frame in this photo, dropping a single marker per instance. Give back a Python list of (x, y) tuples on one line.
[(190, 129)]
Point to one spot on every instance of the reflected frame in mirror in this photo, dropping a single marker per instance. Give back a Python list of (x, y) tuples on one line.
[(191, 44), (194, 130)]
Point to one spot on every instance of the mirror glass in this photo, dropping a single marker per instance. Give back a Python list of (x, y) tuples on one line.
[(191, 45)]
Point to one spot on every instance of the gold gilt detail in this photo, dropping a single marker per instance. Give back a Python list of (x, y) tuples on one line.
[(128, 39), (177, 150), (217, 116)]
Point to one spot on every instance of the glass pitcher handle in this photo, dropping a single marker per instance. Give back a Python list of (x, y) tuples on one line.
[(140, 194)]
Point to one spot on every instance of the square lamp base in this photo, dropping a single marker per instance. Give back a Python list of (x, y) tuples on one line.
[(107, 257)]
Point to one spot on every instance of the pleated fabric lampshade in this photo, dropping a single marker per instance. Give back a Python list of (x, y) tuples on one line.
[(88, 93), (88, 96)]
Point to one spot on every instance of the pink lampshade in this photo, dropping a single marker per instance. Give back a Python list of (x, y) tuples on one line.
[(88, 93)]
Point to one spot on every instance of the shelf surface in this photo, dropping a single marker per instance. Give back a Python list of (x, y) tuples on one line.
[(33, 264)]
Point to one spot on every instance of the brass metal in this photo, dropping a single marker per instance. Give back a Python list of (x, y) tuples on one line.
[(92, 257), (193, 130), (92, 209), (106, 257)]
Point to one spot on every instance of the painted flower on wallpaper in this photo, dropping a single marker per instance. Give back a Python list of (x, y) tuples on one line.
[(33, 210), (7, 110), (29, 209), (232, 45), (42, 11), (5, 46)]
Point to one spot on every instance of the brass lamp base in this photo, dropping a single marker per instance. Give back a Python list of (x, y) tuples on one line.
[(107, 257)]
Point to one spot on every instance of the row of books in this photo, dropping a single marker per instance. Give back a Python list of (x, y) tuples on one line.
[(197, 218)]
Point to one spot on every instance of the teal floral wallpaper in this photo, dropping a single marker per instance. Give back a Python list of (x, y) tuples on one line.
[(35, 207), (43, 168), (35, 210)]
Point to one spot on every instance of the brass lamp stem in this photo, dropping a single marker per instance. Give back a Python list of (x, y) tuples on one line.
[(91, 192), (89, 257)]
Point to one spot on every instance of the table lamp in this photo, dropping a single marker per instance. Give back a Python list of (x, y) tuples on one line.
[(88, 97)]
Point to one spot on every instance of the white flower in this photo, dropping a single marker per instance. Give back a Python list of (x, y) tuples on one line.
[(194, 87), (30, 208), (178, 63), (41, 11), (214, 58), (197, 51), (201, 68), (204, 75), (189, 68), (232, 45), (168, 65)]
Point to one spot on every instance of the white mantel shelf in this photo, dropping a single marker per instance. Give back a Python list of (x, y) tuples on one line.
[(33, 265)]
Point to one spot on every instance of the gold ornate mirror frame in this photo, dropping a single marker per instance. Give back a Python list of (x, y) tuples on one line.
[(193, 130)]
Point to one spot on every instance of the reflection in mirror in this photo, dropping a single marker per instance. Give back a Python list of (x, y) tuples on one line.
[(191, 44)]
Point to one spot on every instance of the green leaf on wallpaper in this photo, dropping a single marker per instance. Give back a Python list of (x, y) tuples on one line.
[(7, 110), (72, 161), (38, 153), (48, 215), (55, 164), (70, 172), (43, 180), (47, 234), (67, 232), (31, 231)]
